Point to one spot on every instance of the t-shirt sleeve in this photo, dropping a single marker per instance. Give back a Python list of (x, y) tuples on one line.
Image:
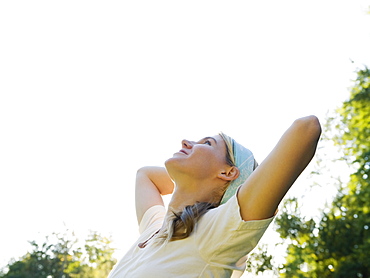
[(152, 217), (224, 237)]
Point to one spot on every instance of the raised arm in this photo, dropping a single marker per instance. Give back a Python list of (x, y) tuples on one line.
[(151, 183), (261, 194)]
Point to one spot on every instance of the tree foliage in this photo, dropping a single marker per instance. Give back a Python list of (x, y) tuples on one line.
[(260, 261), (62, 256), (338, 245)]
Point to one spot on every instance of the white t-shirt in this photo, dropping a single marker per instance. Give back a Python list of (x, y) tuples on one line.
[(216, 247)]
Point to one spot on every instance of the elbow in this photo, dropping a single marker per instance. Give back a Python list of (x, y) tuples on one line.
[(310, 126), (314, 125), (142, 171)]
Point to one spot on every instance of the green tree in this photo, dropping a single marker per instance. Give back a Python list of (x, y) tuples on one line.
[(60, 256), (260, 261), (338, 244), (100, 256)]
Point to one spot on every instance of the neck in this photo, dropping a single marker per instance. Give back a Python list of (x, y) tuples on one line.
[(181, 198), (189, 194)]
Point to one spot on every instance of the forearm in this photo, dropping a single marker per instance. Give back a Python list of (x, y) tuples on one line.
[(262, 192), (159, 177)]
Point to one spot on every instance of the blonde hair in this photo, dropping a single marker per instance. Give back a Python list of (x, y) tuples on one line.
[(230, 158)]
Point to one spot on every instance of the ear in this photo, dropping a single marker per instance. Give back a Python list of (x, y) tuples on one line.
[(230, 174)]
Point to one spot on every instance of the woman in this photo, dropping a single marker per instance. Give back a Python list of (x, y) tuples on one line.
[(219, 209)]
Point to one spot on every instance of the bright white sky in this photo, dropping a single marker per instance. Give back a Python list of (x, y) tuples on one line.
[(93, 90)]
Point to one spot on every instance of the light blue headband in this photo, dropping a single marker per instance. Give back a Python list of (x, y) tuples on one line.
[(243, 159)]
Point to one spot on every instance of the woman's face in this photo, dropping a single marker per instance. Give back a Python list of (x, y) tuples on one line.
[(201, 159)]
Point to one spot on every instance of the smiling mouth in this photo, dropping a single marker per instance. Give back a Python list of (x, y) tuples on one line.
[(182, 151)]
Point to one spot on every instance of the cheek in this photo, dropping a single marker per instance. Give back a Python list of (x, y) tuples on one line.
[(206, 159)]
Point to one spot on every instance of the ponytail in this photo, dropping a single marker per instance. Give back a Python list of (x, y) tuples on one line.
[(182, 224)]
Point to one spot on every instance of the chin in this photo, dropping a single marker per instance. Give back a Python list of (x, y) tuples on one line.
[(166, 162), (170, 167), (176, 157), (169, 163), (175, 164)]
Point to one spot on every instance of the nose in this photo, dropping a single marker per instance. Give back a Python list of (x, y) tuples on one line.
[(187, 144)]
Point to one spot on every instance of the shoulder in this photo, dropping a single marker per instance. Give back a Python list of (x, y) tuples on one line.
[(228, 217), (223, 236), (153, 217)]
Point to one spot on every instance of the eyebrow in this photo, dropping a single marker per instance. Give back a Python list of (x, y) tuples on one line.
[(205, 138)]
